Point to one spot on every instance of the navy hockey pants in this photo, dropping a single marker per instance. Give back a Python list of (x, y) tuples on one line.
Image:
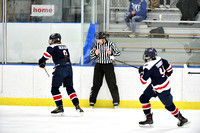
[(165, 97), (63, 75)]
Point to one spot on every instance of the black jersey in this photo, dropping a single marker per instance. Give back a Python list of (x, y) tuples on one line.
[(156, 70), (58, 52)]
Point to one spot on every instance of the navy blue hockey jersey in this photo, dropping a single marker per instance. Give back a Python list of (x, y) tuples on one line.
[(156, 70), (57, 52)]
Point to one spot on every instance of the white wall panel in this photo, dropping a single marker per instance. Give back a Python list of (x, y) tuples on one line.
[(30, 81), (191, 86), (17, 81)]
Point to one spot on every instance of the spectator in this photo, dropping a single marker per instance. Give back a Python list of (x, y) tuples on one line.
[(189, 9), (137, 13), (162, 4)]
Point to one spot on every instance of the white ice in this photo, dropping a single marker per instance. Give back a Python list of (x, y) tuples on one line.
[(24, 119)]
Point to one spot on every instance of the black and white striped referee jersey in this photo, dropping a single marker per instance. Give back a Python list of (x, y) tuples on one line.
[(103, 57)]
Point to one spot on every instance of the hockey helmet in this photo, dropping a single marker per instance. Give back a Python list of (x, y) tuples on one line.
[(101, 35), (149, 54), (54, 38)]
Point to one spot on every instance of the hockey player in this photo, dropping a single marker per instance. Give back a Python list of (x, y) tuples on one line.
[(63, 72), (158, 69)]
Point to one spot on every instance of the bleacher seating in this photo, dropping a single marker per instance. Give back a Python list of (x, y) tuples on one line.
[(170, 22), (180, 46)]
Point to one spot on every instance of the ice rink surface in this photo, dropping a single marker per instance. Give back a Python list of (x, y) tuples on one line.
[(25, 119)]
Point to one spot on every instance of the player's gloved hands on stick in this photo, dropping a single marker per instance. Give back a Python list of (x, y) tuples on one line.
[(41, 63), (140, 69)]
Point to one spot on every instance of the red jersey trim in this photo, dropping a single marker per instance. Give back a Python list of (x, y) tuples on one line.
[(142, 80), (47, 55), (169, 68), (164, 86)]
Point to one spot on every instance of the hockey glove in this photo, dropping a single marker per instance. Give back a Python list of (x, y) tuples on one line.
[(168, 74), (42, 63), (140, 69)]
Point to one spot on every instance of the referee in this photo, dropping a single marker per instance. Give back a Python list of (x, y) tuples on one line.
[(103, 52)]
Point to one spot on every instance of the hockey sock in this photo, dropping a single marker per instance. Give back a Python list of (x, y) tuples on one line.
[(174, 111), (74, 98), (58, 99), (146, 106), (72, 94), (56, 96)]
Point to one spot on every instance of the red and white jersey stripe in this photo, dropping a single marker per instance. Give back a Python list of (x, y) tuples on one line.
[(169, 69), (162, 87), (47, 55), (142, 80)]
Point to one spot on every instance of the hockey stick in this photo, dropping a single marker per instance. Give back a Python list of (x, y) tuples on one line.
[(46, 72), (126, 63)]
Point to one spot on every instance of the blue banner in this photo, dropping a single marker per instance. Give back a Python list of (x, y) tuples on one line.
[(89, 43)]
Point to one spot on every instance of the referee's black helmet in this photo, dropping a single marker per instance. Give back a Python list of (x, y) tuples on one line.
[(101, 35)]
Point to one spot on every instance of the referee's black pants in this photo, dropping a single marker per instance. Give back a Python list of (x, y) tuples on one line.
[(99, 71)]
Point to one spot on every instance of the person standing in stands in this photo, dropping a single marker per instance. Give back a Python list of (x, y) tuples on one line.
[(189, 10), (103, 52)]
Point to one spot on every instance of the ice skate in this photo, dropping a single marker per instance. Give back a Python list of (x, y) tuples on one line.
[(91, 105), (148, 122), (116, 105), (78, 109), (182, 121), (59, 111)]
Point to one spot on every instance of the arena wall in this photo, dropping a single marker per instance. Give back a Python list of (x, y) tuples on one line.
[(30, 85), (28, 41)]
